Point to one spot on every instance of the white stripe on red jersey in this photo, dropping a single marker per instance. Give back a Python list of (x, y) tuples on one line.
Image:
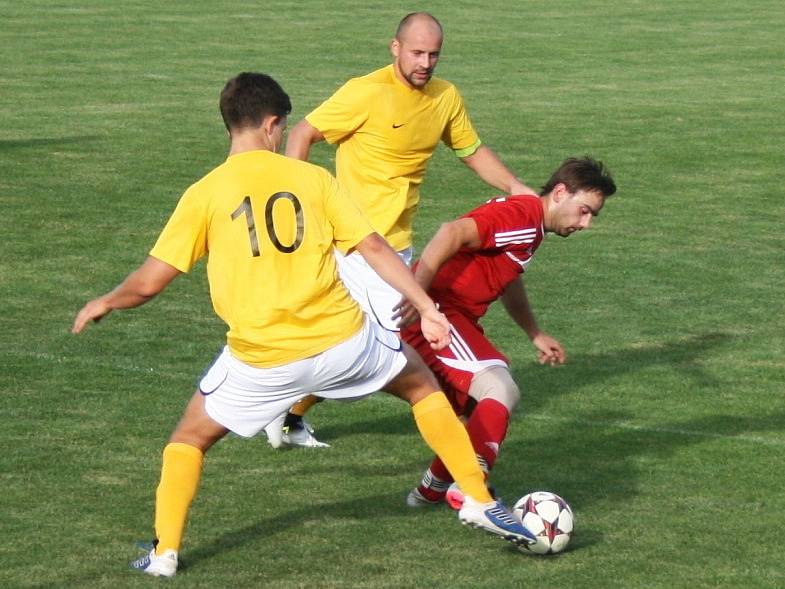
[(510, 237), (510, 231)]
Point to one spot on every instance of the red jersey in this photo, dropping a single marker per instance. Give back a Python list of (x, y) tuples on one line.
[(511, 229)]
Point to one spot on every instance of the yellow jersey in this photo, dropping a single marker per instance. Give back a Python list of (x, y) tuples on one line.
[(268, 225), (386, 133)]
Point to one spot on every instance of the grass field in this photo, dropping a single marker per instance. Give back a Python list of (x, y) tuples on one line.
[(666, 429)]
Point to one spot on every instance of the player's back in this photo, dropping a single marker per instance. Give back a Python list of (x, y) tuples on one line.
[(272, 223)]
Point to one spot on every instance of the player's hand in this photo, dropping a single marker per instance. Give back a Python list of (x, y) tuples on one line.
[(435, 328), (95, 310), (405, 313), (549, 350)]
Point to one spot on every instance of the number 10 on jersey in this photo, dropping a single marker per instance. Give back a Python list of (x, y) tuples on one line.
[(246, 208)]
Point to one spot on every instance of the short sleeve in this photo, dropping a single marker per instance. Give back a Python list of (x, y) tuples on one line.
[(459, 134), (343, 113), (183, 240), (486, 226), (506, 222)]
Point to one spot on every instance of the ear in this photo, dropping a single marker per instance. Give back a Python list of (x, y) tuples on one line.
[(269, 123), (559, 192), (395, 47)]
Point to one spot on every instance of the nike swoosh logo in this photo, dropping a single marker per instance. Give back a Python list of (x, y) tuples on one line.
[(398, 126)]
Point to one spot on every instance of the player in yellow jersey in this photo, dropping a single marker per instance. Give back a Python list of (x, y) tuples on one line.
[(269, 225), (386, 126)]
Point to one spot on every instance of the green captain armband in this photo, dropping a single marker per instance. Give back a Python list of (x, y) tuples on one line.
[(467, 151)]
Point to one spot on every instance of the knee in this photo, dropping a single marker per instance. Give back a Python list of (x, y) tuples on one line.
[(496, 383), (192, 438)]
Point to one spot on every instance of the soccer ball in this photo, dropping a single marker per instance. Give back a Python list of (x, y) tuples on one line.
[(549, 517)]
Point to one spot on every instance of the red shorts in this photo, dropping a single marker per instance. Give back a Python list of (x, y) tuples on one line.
[(455, 366)]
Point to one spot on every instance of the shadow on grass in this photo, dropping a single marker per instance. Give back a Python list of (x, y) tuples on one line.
[(682, 355), (8, 145), (590, 462), (397, 422), (353, 509), (595, 460)]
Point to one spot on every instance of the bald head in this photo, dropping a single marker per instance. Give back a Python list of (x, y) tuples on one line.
[(421, 21), (416, 48)]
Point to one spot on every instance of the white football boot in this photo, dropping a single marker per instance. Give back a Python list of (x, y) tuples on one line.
[(496, 519), (301, 436), (157, 565)]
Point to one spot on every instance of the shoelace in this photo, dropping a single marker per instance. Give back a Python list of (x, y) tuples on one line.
[(142, 562), (503, 515)]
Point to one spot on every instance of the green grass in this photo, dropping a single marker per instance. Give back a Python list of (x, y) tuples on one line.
[(664, 430)]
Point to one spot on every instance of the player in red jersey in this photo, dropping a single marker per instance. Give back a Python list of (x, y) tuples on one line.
[(470, 263)]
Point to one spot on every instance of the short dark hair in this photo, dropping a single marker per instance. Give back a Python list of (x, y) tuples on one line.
[(248, 98), (582, 173)]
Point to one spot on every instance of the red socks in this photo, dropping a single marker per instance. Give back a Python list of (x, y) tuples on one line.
[(487, 428)]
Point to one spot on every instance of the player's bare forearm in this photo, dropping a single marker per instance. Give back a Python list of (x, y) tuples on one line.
[(450, 238), (442, 246), (300, 139), (387, 264), (489, 167), (139, 287), (516, 303)]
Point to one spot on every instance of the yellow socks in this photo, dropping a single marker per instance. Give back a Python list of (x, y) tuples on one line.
[(447, 437), (180, 473), (438, 425)]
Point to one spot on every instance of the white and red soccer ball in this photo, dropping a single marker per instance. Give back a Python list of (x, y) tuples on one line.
[(548, 517)]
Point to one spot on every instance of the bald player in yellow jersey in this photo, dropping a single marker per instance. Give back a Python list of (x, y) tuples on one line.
[(386, 126), (269, 225)]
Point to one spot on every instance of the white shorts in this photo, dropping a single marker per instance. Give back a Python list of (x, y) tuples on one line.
[(375, 296), (244, 398)]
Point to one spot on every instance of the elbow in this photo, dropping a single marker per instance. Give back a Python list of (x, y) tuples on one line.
[(300, 139), (371, 246), (297, 133), (450, 233), (147, 286), (147, 291), (374, 243)]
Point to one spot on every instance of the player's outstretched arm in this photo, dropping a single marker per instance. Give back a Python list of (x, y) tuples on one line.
[(516, 303), (450, 238), (486, 164), (140, 286), (300, 139), (387, 264)]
